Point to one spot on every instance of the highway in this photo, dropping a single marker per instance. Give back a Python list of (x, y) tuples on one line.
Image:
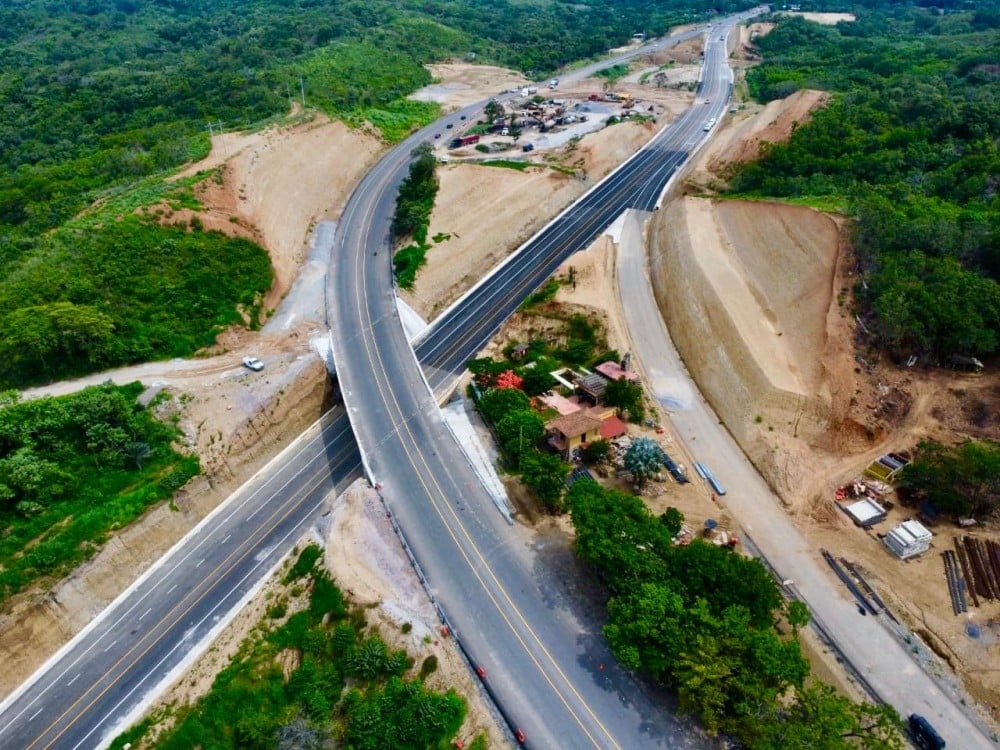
[(543, 662), (94, 685), (128, 651)]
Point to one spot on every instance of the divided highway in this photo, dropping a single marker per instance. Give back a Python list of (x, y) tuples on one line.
[(86, 692), (544, 663)]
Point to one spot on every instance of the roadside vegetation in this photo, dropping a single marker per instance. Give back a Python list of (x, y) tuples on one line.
[(909, 144), (73, 469), (126, 291), (711, 625), (413, 217), (321, 677), (101, 101)]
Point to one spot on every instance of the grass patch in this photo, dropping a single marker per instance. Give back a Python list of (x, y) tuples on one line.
[(520, 166), (407, 262), (613, 73), (546, 293)]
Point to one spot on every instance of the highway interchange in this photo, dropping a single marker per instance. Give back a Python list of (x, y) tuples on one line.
[(544, 664), (98, 682)]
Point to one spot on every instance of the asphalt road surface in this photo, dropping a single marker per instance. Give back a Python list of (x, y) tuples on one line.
[(878, 656), (543, 660), (87, 691), (126, 653)]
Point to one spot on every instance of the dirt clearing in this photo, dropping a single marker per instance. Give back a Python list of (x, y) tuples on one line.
[(273, 186), (458, 84), (482, 213), (824, 19)]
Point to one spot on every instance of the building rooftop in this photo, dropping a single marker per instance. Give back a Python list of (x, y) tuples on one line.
[(561, 404), (574, 425), (612, 427), (593, 385), (865, 512), (614, 371)]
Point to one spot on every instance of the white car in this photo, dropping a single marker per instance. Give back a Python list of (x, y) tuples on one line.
[(252, 363)]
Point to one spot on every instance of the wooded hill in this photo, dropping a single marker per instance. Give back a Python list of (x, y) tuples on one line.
[(908, 145)]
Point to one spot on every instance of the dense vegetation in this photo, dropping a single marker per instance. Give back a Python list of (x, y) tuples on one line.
[(346, 688), (909, 145), (960, 480), (129, 291), (702, 620), (71, 470), (413, 217)]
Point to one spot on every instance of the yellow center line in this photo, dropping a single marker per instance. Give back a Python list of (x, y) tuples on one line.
[(379, 367)]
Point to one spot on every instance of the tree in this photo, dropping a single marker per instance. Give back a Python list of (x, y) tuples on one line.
[(673, 519), (515, 132), (519, 432), (536, 381), (509, 379), (545, 474), (627, 396), (960, 479), (493, 110), (498, 402), (596, 451), (643, 459)]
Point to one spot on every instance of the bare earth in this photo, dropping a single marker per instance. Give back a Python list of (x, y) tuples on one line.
[(484, 213), (826, 19), (757, 297)]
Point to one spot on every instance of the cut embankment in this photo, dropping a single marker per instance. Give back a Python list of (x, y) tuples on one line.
[(745, 288)]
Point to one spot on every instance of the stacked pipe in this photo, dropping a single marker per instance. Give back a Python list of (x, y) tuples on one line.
[(983, 567), (956, 586)]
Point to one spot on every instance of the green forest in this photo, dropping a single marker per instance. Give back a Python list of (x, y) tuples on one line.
[(74, 468), (346, 688), (102, 99), (908, 145)]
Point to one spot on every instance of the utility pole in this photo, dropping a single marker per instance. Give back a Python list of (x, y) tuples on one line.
[(288, 90), (211, 132), (225, 149), (302, 89)]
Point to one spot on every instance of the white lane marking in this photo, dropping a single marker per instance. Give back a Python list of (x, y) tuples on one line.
[(74, 679), (108, 647), (171, 588), (145, 613), (30, 718), (198, 564), (226, 539)]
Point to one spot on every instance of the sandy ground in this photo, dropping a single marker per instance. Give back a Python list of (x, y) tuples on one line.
[(484, 213), (457, 84), (743, 133), (273, 186), (757, 297)]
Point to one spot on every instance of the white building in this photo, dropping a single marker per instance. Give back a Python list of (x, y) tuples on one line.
[(908, 539)]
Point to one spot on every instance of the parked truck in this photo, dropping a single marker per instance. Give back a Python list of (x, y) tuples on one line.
[(465, 140)]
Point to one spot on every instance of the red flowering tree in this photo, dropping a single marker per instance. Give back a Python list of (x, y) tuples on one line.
[(509, 379)]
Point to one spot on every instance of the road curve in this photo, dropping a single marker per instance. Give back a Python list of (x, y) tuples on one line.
[(85, 692), (543, 662)]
